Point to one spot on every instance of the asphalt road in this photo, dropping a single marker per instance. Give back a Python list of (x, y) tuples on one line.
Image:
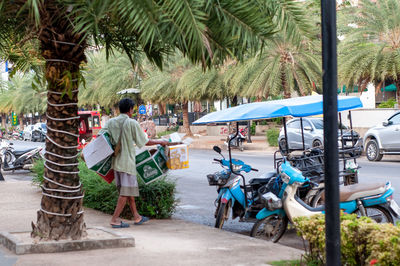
[(196, 197)]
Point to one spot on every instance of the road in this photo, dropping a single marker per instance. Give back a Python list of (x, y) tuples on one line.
[(196, 198)]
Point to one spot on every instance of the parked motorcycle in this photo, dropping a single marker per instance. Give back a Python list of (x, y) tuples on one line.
[(242, 199), (38, 135), (11, 159), (237, 140), (372, 200), (17, 135)]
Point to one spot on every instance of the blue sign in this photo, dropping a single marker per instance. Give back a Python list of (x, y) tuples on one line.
[(142, 109)]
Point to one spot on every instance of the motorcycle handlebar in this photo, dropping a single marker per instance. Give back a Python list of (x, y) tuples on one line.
[(253, 169), (217, 160)]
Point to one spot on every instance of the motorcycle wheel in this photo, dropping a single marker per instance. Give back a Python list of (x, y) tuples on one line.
[(8, 157), (317, 199), (377, 213), (222, 215), (271, 228), (241, 148)]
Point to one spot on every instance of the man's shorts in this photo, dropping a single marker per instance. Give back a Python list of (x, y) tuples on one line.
[(127, 184)]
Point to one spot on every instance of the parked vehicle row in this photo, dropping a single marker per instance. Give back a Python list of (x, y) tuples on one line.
[(313, 132), (35, 133), (296, 188)]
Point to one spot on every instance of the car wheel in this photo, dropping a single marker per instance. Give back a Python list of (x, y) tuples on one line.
[(372, 151), (317, 143)]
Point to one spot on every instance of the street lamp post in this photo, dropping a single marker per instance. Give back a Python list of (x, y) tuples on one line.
[(331, 157)]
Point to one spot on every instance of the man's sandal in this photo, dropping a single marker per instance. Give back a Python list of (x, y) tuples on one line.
[(121, 225), (142, 221)]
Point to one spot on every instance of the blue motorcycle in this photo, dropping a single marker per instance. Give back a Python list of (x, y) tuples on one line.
[(243, 200), (282, 205)]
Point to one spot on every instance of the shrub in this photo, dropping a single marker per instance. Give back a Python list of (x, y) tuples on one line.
[(388, 104), (156, 199), (272, 137), (253, 128), (363, 242)]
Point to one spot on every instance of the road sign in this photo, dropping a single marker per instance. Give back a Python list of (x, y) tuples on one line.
[(14, 119), (142, 109)]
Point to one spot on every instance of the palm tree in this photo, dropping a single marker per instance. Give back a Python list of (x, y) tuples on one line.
[(290, 61), (370, 51), (285, 66), (182, 82), (106, 76), (204, 31)]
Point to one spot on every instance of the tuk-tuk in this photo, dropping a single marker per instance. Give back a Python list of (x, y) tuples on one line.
[(89, 126)]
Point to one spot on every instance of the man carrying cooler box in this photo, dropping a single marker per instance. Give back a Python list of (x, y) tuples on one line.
[(126, 132)]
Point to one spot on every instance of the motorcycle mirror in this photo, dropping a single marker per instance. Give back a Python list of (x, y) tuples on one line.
[(217, 149)]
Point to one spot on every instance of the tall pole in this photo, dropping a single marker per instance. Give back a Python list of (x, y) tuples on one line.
[(331, 156)]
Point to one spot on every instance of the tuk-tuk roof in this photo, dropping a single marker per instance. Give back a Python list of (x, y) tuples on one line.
[(296, 107)]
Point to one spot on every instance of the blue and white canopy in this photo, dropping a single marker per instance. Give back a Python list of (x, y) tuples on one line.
[(296, 107)]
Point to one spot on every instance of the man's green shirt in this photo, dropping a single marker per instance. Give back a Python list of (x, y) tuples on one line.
[(131, 134)]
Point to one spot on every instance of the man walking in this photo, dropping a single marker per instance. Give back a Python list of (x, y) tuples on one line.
[(127, 131)]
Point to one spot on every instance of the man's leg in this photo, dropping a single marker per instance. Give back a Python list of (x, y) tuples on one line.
[(132, 205), (117, 212)]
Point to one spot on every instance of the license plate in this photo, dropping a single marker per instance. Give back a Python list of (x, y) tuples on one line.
[(395, 207)]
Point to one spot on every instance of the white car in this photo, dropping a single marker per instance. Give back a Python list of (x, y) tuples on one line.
[(27, 135), (383, 139)]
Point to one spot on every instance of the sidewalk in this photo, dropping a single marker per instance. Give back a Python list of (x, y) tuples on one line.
[(259, 143), (159, 242)]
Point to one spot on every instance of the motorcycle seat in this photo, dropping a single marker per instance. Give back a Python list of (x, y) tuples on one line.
[(19, 153), (356, 191), (263, 179)]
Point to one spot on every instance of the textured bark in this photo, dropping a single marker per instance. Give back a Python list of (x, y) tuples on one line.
[(186, 126), (3, 121), (63, 51), (398, 91), (286, 90), (21, 121)]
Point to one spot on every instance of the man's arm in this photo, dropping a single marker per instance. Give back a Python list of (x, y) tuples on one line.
[(152, 142)]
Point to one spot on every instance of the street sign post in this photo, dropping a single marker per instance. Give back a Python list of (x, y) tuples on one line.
[(142, 109), (14, 119)]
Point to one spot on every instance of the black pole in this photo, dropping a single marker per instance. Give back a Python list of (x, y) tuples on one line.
[(331, 157), (249, 131), (286, 138), (302, 132)]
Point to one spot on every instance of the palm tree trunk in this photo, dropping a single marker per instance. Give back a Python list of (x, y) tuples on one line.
[(185, 114), (60, 215), (21, 121), (3, 120), (286, 90), (398, 92)]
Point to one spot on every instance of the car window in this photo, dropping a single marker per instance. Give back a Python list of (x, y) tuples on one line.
[(395, 119), (318, 123), (294, 124), (43, 126), (306, 124)]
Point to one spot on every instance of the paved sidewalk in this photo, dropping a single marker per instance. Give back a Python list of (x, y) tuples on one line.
[(159, 242), (259, 143)]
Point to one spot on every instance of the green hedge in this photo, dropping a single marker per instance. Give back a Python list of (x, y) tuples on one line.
[(272, 137), (156, 199), (388, 104), (363, 242)]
